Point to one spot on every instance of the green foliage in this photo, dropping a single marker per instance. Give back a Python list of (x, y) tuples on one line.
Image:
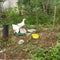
[(30, 10), (47, 54)]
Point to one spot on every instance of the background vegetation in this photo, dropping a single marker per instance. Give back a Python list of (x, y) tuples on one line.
[(44, 12)]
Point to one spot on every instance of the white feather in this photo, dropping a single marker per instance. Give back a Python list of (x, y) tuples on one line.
[(22, 23), (15, 28)]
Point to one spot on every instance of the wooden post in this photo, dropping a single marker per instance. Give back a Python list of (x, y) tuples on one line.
[(5, 33)]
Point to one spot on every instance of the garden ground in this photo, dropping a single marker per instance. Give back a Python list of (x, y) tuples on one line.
[(48, 39)]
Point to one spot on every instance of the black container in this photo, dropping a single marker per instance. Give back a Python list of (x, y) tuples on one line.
[(5, 32)]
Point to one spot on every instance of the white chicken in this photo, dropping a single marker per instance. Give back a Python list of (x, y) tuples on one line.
[(15, 28), (22, 23)]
